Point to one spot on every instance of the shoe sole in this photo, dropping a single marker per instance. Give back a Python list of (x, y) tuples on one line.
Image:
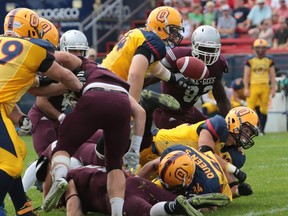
[(187, 208), (213, 199), (51, 200), (165, 100)]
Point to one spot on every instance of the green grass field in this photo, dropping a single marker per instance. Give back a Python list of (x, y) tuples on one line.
[(266, 168)]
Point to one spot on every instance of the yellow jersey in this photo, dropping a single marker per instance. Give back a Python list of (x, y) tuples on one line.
[(20, 59), (209, 176), (260, 69), (135, 41)]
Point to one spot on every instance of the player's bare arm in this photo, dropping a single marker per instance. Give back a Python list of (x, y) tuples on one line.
[(137, 72)]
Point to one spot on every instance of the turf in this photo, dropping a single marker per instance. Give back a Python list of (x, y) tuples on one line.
[(265, 166)]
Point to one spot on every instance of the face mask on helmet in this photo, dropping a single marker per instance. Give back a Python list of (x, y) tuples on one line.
[(48, 31), (74, 40), (243, 125), (21, 22), (167, 23), (206, 44), (176, 170)]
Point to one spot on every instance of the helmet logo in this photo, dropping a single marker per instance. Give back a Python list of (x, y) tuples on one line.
[(241, 112), (162, 16), (34, 20), (181, 174)]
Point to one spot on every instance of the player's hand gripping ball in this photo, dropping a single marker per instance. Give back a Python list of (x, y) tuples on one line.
[(192, 67)]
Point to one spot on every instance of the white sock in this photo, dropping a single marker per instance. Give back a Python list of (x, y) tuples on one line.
[(231, 168), (29, 177), (60, 166), (135, 143), (117, 206), (158, 210)]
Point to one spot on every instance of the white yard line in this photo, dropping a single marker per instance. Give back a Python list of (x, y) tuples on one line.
[(270, 212)]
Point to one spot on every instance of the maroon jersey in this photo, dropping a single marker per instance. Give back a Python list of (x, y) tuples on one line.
[(86, 153), (97, 73), (45, 130), (187, 97), (140, 194)]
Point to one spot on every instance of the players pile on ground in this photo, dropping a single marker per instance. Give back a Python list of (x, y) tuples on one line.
[(104, 142)]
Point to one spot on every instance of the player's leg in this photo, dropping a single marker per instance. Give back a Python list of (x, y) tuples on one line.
[(178, 207)]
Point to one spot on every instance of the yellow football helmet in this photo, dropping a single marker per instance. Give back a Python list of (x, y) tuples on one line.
[(260, 46), (167, 23), (243, 125), (48, 31), (176, 170), (260, 43), (21, 22)]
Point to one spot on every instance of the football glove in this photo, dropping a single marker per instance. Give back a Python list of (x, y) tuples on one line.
[(44, 81), (180, 80), (131, 161), (82, 76), (244, 189), (240, 175), (61, 117), (25, 126)]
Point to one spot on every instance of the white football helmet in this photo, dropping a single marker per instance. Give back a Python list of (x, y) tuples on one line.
[(206, 44), (74, 40)]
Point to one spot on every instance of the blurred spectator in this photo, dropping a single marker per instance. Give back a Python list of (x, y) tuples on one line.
[(218, 12), (196, 16), (280, 39), (177, 3), (263, 31), (275, 19), (169, 3), (92, 54), (187, 25), (275, 4), (250, 3), (283, 9), (240, 13), (226, 23), (258, 12), (209, 13)]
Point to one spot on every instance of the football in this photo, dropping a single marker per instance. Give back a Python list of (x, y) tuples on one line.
[(192, 67)]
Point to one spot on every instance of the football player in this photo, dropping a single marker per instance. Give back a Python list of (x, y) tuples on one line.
[(206, 45), (237, 130), (184, 170), (259, 80), (238, 98), (88, 192), (139, 52), (21, 59)]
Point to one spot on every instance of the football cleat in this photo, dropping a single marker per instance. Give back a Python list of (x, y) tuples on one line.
[(210, 199), (244, 189), (57, 189), (185, 208), (27, 210), (152, 100)]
